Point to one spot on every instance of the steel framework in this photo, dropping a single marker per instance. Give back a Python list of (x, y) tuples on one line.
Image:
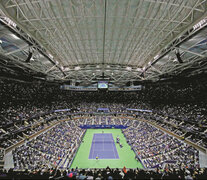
[(127, 40)]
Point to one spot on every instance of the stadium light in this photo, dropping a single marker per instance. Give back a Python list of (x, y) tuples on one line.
[(14, 36), (9, 21), (77, 68), (50, 55), (67, 69), (138, 69), (156, 57), (200, 24), (175, 60), (128, 68)]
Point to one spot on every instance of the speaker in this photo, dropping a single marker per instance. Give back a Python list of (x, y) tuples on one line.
[(29, 57), (179, 58)]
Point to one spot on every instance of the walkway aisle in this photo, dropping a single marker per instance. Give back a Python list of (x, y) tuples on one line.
[(202, 159), (9, 163), (66, 164)]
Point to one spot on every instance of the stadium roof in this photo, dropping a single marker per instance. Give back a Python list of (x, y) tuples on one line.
[(118, 40)]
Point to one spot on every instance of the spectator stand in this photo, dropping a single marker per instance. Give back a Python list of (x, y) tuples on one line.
[(79, 141), (137, 156), (26, 138), (117, 121), (177, 136), (152, 122)]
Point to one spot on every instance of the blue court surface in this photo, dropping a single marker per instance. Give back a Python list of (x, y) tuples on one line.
[(103, 147)]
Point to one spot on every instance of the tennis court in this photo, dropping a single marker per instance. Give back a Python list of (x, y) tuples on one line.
[(126, 157), (103, 147)]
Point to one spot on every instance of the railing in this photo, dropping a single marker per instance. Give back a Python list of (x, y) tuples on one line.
[(2, 153)]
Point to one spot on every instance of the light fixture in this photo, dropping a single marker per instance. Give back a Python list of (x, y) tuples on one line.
[(156, 57), (10, 22), (77, 68), (138, 69), (50, 55), (14, 36), (200, 24), (128, 68), (67, 69)]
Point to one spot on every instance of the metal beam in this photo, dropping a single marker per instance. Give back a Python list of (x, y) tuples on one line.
[(186, 50), (17, 50)]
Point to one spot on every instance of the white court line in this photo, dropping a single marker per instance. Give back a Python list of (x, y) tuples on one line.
[(113, 144), (91, 150), (103, 143), (92, 147), (103, 149), (113, 148)]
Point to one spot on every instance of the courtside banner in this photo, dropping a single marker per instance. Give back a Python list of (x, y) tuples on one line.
[(140, 110), (61, 110), (103, 126)]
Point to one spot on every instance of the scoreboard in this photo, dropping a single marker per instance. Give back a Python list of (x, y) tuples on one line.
[(103, 85)]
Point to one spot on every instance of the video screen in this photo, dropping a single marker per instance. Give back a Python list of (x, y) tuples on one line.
[(102, 85)]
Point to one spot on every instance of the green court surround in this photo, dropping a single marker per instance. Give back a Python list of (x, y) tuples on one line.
[(126, 155)]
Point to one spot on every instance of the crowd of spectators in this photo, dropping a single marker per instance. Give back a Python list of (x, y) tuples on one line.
[(45, 152), (188, 129), (154, 147), (27, 108), (54, 147), (105, 173), (157, 148)]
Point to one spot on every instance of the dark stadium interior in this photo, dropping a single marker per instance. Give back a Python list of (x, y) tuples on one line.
[(135, 70)]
